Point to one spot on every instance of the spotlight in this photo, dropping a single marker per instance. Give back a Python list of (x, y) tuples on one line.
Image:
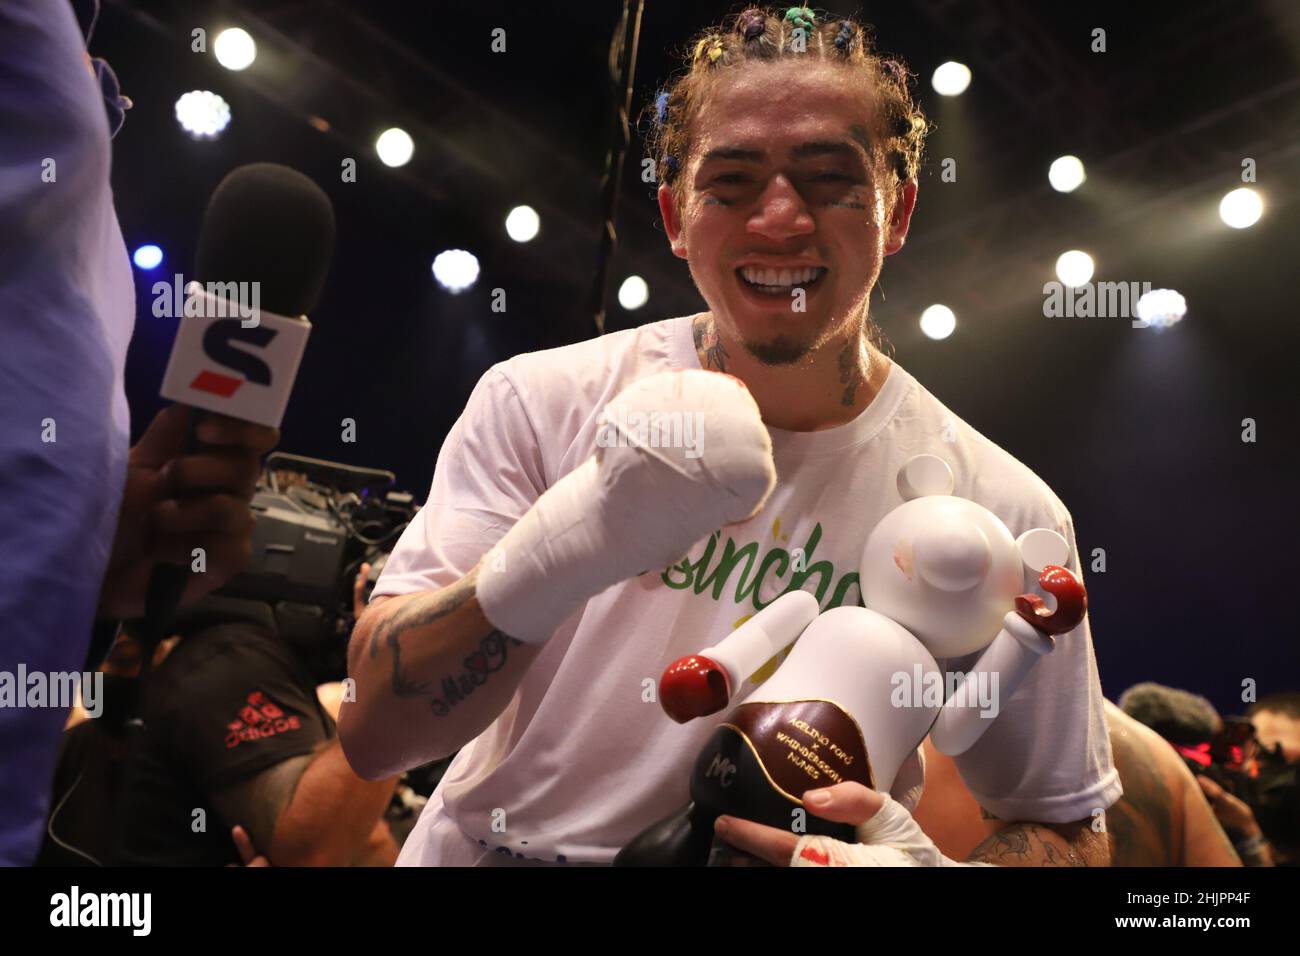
[(938, 322), (394, 147), (1161, 308), (1241, 208), (234, 49), (951, 79), (147, 257), (1066, 174), (633, 293), (456, 270), (522, 223), (1074, 268), (202, 114)]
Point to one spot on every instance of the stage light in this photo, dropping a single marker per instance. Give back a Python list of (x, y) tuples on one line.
[(394, 147), (938, 322), (147, 257), (951, 79), (202, 114), (1241, 208), (456, 270), (522, 223), (633, 293), (1066, 174), (1161, 308), (234, 49), (1074, 268)]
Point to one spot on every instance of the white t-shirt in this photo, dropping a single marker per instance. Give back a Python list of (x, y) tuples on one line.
[(579, 762)]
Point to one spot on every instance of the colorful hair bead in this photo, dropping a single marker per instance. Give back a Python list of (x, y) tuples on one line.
[(801, 17), (661, 108), (711, 45), (896, 70), (751, 24), (844, 38)]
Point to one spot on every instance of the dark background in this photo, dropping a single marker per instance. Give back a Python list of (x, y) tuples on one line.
[(1138, 431)]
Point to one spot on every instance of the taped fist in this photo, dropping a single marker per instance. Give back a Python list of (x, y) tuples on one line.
[(678, 455)]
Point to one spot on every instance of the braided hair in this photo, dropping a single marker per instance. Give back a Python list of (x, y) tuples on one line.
[(767, 34)]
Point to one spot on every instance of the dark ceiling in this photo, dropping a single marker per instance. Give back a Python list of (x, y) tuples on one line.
[(1137, 431)]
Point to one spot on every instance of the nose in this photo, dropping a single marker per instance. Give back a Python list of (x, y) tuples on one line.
[(782, 213), (952, 558)]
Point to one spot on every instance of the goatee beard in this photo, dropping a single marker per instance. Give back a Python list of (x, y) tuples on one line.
[(779, 351)]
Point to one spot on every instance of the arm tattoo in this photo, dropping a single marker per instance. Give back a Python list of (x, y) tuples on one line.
[(1025, 844), (489, 658), (417, 614), (708, 345)]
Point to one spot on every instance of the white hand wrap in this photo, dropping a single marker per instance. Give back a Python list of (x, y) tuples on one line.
[(680, 454), (890, 838)]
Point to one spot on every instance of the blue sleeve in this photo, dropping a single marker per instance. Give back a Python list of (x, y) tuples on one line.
[(67, 309)]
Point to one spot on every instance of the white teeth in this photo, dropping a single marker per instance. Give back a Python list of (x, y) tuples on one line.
[(781, 277)]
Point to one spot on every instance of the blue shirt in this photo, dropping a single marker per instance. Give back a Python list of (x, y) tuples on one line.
[(67, 308)]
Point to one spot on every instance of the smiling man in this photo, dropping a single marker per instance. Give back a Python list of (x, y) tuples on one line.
[(528, 611)]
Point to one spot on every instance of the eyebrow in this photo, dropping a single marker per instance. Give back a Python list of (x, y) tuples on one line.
[(809, 150)]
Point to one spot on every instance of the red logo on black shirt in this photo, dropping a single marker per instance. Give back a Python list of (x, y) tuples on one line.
[(261, 717)]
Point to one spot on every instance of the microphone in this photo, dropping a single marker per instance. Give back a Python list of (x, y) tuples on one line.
[(263, 253), (264, 249)]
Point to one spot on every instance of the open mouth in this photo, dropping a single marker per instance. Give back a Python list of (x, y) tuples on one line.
[(780, 282)]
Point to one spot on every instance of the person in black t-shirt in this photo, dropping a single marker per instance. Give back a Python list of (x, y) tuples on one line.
[(234, 734)]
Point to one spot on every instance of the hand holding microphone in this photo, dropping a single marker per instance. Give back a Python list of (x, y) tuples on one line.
[(633, 506), (264, 250), (176, 502)]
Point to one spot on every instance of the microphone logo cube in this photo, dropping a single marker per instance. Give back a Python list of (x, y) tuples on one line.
[(219, 364)]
